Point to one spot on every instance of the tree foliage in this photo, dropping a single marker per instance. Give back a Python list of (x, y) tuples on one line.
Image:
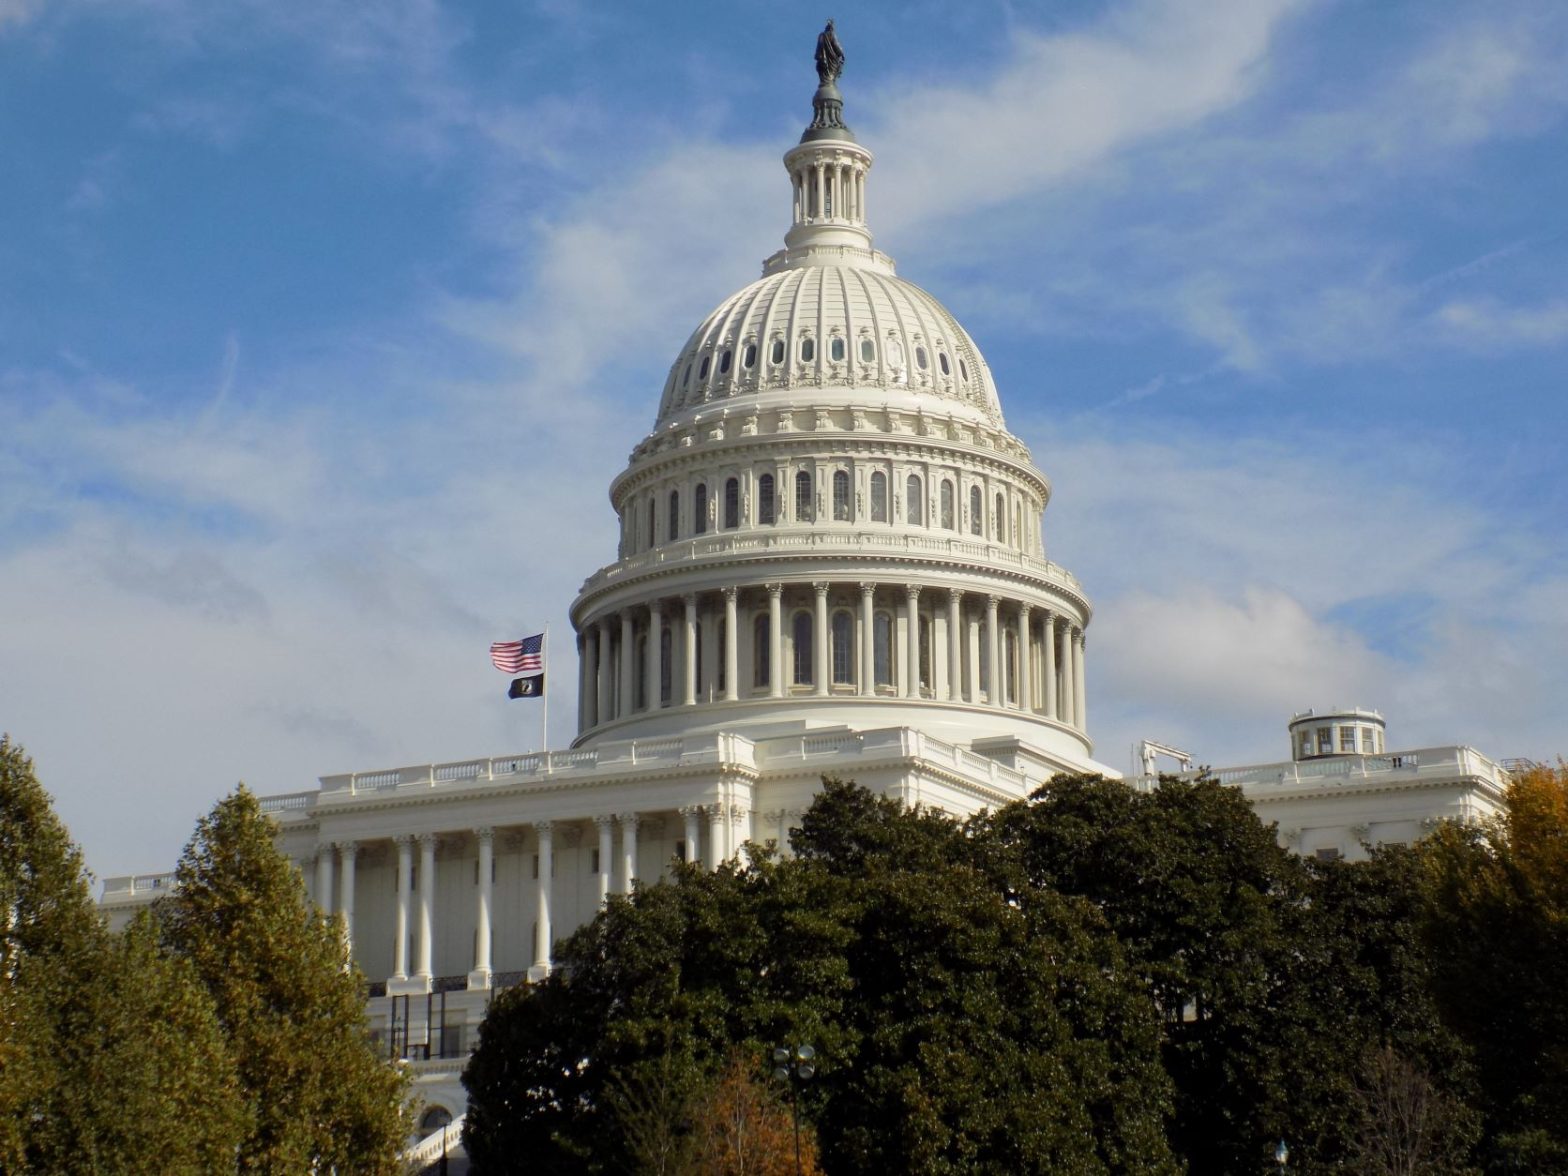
[(961, 1026), (111, 1058), (290, 1005)]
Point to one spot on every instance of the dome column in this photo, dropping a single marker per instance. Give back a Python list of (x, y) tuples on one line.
[(584, 677), (731, 647), (604, 714), (628, 663), (955, 646), (819, 638), (1069, 677), (629, 823), (654, 659), (692, 814), (996, 691), (1025, 660), (1049, 673), (868, 653), (912, 641), (775, 641), (689, 652), (1080, 696)]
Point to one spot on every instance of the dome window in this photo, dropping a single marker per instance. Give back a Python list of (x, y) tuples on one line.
[(802, 651), (879, 497), (724, 361), (868, 351), (776, 355), (963, 371), (836, 350), (732, 504), (920, 358), (686, 379), (675, 515), (748, 357), (803, 498), (765, 500), (808, 350), (702, 372), (914, 501), (947, 504), (841, 496), (976, 513), (699, 510), (941, 358)]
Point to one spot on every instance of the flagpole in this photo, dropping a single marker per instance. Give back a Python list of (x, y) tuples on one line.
[(544, 720)]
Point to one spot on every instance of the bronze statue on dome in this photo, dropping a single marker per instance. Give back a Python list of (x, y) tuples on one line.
[(830, 56)]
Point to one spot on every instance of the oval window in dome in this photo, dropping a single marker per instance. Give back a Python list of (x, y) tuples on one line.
[(836, 350), (920, 358), (963, 371), (724, 361), (777, 354), (941, 358), (702, 372), (868, 351), (749, 356), (686, 379), (808, 350)]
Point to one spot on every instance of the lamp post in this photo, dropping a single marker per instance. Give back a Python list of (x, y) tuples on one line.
[(794, 1067), (1281, 1155)]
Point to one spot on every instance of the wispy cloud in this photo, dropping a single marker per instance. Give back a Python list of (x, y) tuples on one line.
[(1487, 323)]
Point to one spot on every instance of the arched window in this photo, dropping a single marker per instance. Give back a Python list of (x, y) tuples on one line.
[(724, 361), (697, 659), (723, 674), (914, 501), (433, 1120), (731, 504), (882, 648), (879, 497), (803, 511), (985, 669), (675, 515), (868, 351), (761, 651), (653, 520), (925, 653), (686, 379), (802, 634), (749, 356), (702, 372), (640, 671), (976, 512), (841, 496), (666, 656), (1001, 519), (699, 509), (963, 371), (776, 353), (808, 349), (765, 502), (843, 648), (836, 349), (947, 504)]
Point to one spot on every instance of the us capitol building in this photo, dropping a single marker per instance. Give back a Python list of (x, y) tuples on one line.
[(830, 562)]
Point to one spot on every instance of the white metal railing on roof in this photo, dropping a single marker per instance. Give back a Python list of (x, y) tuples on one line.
[(287, 802), (1427, 763), (138, 883), (789, 539), (433, 1146)]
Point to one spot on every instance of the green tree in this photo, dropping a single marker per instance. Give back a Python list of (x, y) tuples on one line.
[(961, 1026), (290, 1004), (112, 1059), (1497, 921)]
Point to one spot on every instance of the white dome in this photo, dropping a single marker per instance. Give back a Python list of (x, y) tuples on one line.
[(853, 326)]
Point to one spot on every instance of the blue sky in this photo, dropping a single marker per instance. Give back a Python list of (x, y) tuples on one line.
[(323, 327)]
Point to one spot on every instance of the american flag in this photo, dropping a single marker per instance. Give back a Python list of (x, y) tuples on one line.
[(519, 657)]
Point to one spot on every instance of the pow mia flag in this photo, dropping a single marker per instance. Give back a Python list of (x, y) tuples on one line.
[(527, 687)]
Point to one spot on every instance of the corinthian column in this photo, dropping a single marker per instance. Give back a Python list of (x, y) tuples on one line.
[(427, 898), (995, 686), (324, 877), (588, 708), (606, 673), (912, 640), (1025, 660), (629, 823), (655, 655), (541, 967), (606, 825), (405, 883), (955, 646), (480, 976), (689, 656), (731, 647), (820, 638), (628, 664), (1081, 703), (775, 641), (347, 852), (1050, 667), (1069, 677), (868, 651)]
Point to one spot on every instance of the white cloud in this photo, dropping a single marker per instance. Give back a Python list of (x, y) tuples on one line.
[(1488, 323)]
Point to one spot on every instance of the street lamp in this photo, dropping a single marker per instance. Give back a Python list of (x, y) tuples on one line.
[(1281, 1155), (794, 1067)]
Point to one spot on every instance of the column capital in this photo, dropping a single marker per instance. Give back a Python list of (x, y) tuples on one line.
[(690, 810), (991, 601), (820, 587), (403, 839), (689, 599), (738, 813), (1024, 609), (346, 848), (955, 594), (543, 828), (656, 606), (604, 820), (912, 591), (775, 590), (429, 840), (629, 820), (484, 834), (730, 591), (867, 587)]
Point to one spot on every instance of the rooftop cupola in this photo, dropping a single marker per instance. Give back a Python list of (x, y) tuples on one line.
[(827, 172)]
